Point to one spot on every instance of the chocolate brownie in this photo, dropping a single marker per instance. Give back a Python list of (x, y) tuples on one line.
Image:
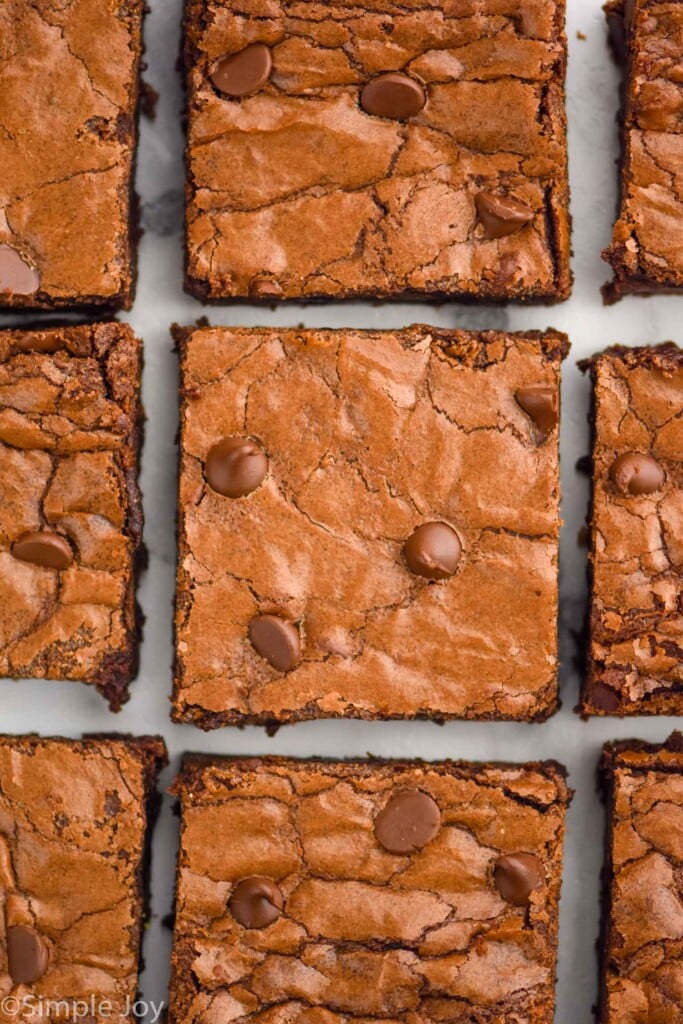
[(69, 86), (368, 525), (641, 950), (70, 515), (75, 824), (646, 253), (376, 149), (367, 890), (635, 627)]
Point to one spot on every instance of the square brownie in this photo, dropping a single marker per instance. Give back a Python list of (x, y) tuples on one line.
[(635, 622), (377, 150), (69, 89), (70, 515), (646, 252), (367, 890), (368, 525), (75, 826), (641, 976)]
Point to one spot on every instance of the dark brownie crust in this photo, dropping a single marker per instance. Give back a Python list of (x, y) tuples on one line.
[(309, 186), (75, 826), (312, 593), (70, 432), (68, 237), (383, 890), (646, 252), (635, 628), (641, 975)]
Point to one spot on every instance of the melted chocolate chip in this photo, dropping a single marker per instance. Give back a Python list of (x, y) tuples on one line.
[(541, 405), (393, 95), (27, 954), (235, 466), (433, 550), (501, 215), (265, 288), (256, 902), (516, 876), (48, 550), (16, 276), (636, 473), (604, 698), (277, 641), (243, 73), (407, 822)]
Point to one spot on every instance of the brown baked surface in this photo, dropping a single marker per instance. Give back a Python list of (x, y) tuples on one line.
[(642, 945), (635, 634), (365, 934), (68, 107), (368, 435), (295, 191), (75, 824), (646, 252), (70, 426)]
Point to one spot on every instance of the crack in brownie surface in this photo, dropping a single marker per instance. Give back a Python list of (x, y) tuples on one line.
[(646, 252), (642, 944), (635, 655), (338, 150), (327, 892), (368, 525), (68, 99), (70, 518)]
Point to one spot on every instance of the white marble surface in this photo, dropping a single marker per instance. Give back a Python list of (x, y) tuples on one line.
[(70, 709)]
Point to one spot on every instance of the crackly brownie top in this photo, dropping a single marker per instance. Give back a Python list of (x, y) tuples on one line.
[(68, 91), (637, 543), (368, 523), (648, 237), (643, 955), (376, 147), (72, 832), (366, 890), (69, 518)]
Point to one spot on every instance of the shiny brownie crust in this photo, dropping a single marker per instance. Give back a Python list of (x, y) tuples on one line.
[(348, 928), (70, 434), (360, 439), (301, 189)]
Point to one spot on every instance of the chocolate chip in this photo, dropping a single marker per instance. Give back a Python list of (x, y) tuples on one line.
[(603, 697), (265, 288), (48, 550), (501, 215), (277, 641), (636, 473), (256, 902), (433, 550), (541, 405), (27, 954), (516, 876), (407, 822), (243, 73), (15, 274), (235, 466), (393, 95)]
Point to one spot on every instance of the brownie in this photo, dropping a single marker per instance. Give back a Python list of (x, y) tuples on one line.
[(368, 525), (376, 149), (635, 623), (75, 824), (646, 252), (367, 890), (641, 977), (69, 88), (70, 515)]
